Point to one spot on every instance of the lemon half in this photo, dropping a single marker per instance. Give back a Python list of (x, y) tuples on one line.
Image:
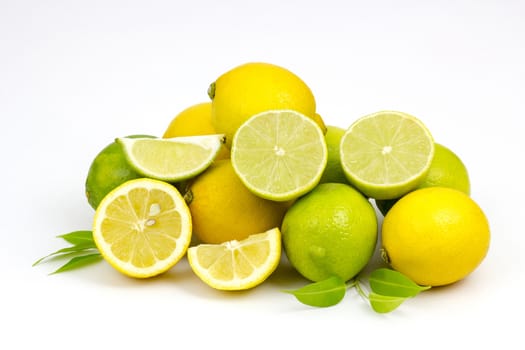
[(143, 227)]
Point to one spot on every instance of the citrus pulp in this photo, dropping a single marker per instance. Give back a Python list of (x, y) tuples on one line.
[(142, 227)]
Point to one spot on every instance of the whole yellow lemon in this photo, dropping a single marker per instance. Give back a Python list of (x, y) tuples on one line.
[(223, 209), (435, 236), (256, 87)]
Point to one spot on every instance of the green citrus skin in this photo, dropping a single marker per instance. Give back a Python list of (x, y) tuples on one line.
[(446, 170), (330, 231), (334, 171), (108, 170)]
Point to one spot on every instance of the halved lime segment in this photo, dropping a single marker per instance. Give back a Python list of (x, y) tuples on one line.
[(386, 154), (279, 154), (171, 159)]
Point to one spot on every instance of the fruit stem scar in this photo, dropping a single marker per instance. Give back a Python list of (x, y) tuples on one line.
[(211, 90), (188, 197), (386, 150), (384, 256)]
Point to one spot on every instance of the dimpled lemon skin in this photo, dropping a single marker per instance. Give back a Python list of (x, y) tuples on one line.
[(330, 231), (435, 235), (256, 87), (223, 209), (192, 121)]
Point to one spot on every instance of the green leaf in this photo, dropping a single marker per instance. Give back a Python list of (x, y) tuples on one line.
[(384, 303), (79, 261), (78, 237), (73, 249), (324, 293), (392, 283)]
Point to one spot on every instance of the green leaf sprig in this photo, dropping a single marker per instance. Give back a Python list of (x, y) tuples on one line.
[(389, 289), (82, 252)]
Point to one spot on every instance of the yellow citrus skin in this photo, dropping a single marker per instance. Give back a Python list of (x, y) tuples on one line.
[(256, 87), (223, 209), (192, 121), (435, 235)]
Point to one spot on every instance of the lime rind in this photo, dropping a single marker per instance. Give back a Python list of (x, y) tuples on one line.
[(386, 154), (279, 154), (171, 159)]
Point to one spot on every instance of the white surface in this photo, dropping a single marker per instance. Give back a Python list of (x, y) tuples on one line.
[(76, 74)]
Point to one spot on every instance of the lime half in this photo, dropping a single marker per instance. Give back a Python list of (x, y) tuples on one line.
[(171, 159), (279, 154), (386, 154)]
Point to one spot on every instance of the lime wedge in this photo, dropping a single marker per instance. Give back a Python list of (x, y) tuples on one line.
[(386, 154), (171, 159), (279, 154)]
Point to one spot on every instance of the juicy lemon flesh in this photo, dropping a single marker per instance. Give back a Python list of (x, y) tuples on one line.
[(143, 232), (237, 265), (219, 261), (279, 154)]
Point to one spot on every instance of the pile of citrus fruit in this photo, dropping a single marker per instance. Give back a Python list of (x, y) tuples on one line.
[(255, 173)]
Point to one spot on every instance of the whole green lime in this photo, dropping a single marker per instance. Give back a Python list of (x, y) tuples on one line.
[(330, 231), (446, 170), (333, 171), (108, 170)]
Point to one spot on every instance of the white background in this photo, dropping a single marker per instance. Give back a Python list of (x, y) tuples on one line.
[(76, 74)]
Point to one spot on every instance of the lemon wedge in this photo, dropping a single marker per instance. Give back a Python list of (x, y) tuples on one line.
[(237, 265)]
